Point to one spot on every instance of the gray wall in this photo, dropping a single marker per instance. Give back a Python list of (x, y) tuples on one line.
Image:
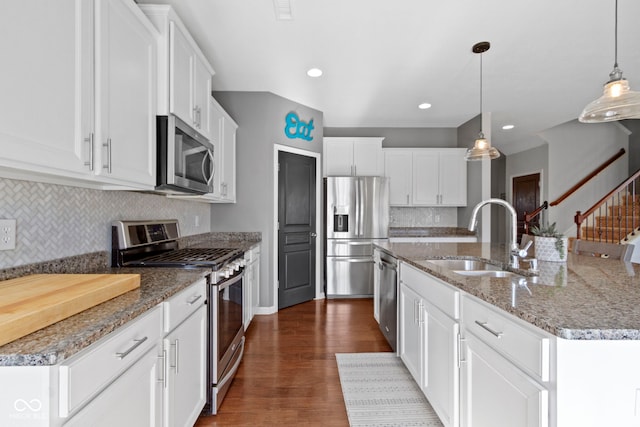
[(403, 137), (467, 134), (261, 120), (634, 144), (56, 221)]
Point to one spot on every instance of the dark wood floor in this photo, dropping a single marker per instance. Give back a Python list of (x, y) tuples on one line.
[(289, 374)]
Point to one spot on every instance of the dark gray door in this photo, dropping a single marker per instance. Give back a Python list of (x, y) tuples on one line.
[(296, 229)]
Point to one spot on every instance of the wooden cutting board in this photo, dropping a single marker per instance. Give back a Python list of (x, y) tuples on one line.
[(32, 302)]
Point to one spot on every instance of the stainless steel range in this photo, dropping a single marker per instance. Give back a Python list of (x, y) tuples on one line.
[(154, 244)]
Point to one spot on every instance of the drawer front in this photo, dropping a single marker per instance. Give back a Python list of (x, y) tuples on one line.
[(439, 294), (85, 374), (180, 306), (525, 346)]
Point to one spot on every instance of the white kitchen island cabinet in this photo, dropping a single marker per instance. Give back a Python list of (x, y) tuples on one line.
[(429, 310), (352, 156), (94, 125), (426, 176), (505, 369)]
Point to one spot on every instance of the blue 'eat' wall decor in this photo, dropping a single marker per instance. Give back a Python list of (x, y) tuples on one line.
[(296, 128)]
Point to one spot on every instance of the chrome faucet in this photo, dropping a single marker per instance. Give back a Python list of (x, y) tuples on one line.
[(514, 250)]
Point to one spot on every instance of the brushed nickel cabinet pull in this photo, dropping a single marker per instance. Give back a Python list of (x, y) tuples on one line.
[(130, 349)]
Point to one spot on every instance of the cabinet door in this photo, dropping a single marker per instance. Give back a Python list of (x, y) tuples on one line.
[(215, 121), (495, 392), (126, 93), (201, 94), (187, 370), (367, 158), (441, 384), (411, 332), (180, 74), (229, 160), (453, 178), (338, 157), (133, 399), (397, 167), (425, 178), (47, 127)]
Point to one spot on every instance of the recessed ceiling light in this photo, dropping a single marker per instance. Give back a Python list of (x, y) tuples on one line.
[(314, 72), (424, 106), (507, 127)]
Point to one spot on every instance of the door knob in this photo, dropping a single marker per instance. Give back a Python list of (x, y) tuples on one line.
[(313, 234)]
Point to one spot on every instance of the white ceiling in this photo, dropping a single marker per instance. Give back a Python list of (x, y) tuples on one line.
[(381, 58)]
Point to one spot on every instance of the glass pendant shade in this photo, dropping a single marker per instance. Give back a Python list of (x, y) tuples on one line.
[(482, 149), (618, 102)]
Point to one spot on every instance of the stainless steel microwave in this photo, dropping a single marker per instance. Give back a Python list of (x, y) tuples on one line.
[(185, 158)]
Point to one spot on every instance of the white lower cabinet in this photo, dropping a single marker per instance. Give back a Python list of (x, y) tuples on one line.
[(429, 339), (185, 356), (251, 284), (133, 399), (497, 393), (151, 372), (505, 369), (119, 371)]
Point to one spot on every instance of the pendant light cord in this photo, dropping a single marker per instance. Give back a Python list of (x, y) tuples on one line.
[(615, 62)]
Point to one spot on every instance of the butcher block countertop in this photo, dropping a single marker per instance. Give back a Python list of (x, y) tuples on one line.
[(59, 341), (586, 298)]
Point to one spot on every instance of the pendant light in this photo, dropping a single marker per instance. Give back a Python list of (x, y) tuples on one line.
[(618, 102), (482, 148)]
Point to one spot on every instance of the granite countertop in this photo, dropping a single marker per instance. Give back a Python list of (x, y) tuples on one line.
[(586, 298), (430, 232), (55, 343), (59, 341)]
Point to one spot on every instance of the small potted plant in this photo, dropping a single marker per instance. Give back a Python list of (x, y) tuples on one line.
[(550, 244)]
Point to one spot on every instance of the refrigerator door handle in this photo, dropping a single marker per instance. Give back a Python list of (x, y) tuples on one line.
[(361, 203), (358, 207), (353, 260)]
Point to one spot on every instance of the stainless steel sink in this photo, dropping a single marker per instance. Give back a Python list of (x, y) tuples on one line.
[(486, 273), (464, 265), (472, 267)]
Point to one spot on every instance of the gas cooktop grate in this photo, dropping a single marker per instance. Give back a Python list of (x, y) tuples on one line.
[(202, 256)]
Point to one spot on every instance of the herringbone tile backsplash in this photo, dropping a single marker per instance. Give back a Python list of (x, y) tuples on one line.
[(55, 221)]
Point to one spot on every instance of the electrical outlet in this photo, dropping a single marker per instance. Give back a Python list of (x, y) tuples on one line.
[(7, 234)]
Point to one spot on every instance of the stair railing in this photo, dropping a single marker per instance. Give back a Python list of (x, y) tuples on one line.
[(613, 217), (529, 217)]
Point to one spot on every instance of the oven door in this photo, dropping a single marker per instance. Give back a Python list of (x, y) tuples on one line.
[(185, 158), (226, 337)]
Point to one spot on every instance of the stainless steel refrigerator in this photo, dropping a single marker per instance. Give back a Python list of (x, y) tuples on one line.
[(356, 215)]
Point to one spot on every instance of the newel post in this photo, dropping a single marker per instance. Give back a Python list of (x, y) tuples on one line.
[(578, 220)]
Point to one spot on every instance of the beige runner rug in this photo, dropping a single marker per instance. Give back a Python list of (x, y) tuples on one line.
[(378, 390)]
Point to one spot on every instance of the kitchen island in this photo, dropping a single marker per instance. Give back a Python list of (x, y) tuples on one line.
[(556, 349)]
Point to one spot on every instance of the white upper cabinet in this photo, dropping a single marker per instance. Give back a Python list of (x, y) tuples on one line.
[(352, 156), (184, 72), (426, 176), (125, 94), (224, 179), (93, 122)]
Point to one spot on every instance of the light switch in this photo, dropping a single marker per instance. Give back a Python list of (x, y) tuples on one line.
[(7, 234)]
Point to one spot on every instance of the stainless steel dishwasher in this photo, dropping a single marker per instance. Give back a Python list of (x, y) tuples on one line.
[(388, 266)]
